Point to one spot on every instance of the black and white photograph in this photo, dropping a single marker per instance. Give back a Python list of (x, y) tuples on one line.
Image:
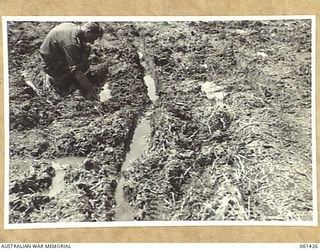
[(159, 121)]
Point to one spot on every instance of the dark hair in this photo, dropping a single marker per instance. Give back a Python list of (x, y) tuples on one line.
[(94, 27)]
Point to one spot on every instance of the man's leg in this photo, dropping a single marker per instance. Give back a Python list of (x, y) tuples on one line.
[(63, 85)]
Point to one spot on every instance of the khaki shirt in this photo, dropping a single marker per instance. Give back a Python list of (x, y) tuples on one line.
[(62, 49)]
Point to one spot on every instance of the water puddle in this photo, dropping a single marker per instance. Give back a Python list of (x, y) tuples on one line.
[(105, 93), (58, 183), (149, 81), (213, 91), (141, 56), (139, 144)]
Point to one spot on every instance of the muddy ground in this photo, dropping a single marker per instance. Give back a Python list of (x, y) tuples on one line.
[(230, 127)]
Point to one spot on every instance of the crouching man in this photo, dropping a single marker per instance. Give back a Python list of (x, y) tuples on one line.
[(65, 53)]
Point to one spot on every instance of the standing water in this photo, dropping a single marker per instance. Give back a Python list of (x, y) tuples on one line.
[(139, 144), (105, 93), (148, 80), (58, 183)]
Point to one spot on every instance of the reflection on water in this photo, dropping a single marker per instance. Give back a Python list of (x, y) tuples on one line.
[(139, 144), (58, 183), (149, 81), (105, 93)]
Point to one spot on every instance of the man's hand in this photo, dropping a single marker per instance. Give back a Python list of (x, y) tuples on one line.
[(90, 94), (86, 87)]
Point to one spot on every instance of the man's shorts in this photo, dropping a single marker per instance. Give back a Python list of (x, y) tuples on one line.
[(58, 75), (63, 85)]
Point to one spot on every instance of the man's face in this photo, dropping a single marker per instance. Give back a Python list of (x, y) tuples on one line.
[(90, 37)]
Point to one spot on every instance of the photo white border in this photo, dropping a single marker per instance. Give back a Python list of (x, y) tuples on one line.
[(7, 225)]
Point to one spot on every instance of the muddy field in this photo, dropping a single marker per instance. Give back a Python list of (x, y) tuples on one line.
[(196, 121)]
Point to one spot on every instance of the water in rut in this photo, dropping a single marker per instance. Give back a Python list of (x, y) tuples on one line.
[(139, 144), (149, 81), (105, 93), (58, 183)]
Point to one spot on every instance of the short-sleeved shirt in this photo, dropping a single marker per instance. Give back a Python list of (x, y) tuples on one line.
[(61, 49)]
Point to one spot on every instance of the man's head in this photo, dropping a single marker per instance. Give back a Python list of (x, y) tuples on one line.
[(91, 31)]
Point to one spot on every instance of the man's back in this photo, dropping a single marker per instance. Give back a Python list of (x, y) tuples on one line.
[(60, 36), (65, 57)]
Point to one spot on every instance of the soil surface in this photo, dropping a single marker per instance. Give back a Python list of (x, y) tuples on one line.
[(229, 125)]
